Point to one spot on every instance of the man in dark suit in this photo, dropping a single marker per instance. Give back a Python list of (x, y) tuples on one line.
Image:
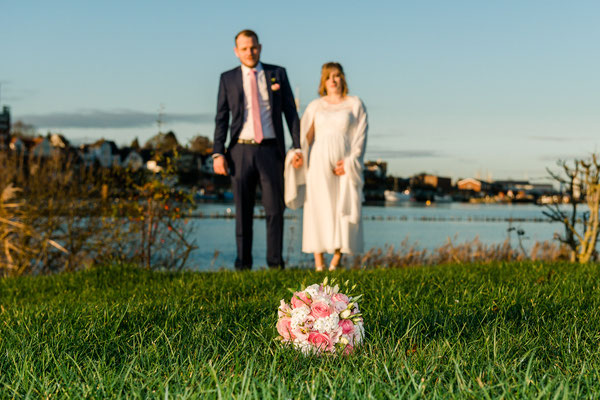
[(255, 95)]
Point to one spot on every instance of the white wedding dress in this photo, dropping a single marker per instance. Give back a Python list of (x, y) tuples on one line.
[(332, 207)]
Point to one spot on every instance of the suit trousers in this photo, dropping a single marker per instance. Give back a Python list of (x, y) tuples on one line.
[(251, 165)]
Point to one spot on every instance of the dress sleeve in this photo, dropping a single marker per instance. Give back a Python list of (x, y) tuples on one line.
[(354, 162), (352, 182), (307, 120), (295, 179)]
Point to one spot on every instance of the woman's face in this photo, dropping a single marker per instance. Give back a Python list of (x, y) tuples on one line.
[(333, 84)]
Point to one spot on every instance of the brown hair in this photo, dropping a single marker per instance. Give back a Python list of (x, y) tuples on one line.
[(326, 70), (247, 33)]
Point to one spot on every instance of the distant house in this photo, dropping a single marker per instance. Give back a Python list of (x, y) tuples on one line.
[(542, 189), (474, 185), (512, 186), (442, 184), (471, 184), (376, 168), (130, 158), (103, 152), (42, 147)]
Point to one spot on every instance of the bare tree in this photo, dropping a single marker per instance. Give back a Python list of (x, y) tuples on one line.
[(582, 183)]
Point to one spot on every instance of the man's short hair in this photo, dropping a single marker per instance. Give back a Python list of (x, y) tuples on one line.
[(247, 33)]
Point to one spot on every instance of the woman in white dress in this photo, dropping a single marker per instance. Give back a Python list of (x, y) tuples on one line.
[(333, 138)]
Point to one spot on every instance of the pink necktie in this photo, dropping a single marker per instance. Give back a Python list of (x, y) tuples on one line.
[(258, 132)]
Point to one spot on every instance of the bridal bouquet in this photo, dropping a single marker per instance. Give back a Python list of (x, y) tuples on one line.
[(320, 319)]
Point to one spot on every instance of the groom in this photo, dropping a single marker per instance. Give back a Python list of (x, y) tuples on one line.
[(255, 95)]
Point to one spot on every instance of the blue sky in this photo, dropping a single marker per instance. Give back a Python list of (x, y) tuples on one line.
[(458, 88)]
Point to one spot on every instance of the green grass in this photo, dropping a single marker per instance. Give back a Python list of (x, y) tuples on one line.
[(464, 331)]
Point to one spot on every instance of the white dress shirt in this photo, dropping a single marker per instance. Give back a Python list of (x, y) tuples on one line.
[(266, 120)]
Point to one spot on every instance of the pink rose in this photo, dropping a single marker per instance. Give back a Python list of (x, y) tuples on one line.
[(340, 297), (300, 299), (347, 326), (321, 341), (284, 327), (284, 310), (320, 309), (275, 87)]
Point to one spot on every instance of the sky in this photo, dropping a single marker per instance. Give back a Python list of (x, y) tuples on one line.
[(488, 89)]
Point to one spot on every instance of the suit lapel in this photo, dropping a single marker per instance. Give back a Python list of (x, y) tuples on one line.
[(268, 76), (239, 85)]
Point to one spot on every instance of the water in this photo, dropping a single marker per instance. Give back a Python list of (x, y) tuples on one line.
[(427, 226)]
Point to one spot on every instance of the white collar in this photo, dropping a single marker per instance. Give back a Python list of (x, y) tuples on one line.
[(246, 70)]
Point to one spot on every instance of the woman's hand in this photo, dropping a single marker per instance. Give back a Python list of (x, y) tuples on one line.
[(339, 168)]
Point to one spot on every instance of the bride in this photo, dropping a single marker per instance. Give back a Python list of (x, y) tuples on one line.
[(333, 137)]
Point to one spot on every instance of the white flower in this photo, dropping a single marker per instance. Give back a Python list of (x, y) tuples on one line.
[(322, 299), (327, 324), (299, 315), (313, 290), (305, 347)]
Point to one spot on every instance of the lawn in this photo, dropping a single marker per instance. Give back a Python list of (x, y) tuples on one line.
[(522, 330)]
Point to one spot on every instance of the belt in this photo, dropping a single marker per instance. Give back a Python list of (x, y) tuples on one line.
[(254, 143)]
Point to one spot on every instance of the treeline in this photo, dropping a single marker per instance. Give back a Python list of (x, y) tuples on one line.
[(57, 214)]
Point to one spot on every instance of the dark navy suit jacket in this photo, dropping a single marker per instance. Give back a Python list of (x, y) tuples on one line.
[(231, 100)]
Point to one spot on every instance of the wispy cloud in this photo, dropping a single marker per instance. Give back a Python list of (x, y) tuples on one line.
[(395, 154), (559, 138), (559, 158), (108, 119)]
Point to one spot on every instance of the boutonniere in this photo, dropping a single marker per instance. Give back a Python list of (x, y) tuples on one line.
[(274, 85)]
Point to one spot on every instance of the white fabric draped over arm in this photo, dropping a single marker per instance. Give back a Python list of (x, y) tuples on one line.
[(352, 182), (295, 179), (308, 118)]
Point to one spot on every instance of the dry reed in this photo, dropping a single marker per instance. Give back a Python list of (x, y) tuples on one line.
[(475, 251)]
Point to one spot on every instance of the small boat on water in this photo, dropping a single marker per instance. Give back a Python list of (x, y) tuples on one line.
[(397, 197)]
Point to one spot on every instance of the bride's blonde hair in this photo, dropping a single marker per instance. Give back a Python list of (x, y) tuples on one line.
[(326, 70)]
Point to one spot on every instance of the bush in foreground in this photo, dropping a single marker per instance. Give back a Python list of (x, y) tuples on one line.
[(469, 331)]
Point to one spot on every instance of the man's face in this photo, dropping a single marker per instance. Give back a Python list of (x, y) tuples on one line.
[(247, 49)]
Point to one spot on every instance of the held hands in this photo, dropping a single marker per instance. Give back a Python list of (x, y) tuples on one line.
[(297, 160), (220, 165), (339, 168)]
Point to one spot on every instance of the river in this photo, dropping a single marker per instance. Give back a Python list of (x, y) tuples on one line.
[(426, 226)]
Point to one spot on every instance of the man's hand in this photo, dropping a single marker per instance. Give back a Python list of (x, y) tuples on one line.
[(297, 160), (220, 165), (339, 168)]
